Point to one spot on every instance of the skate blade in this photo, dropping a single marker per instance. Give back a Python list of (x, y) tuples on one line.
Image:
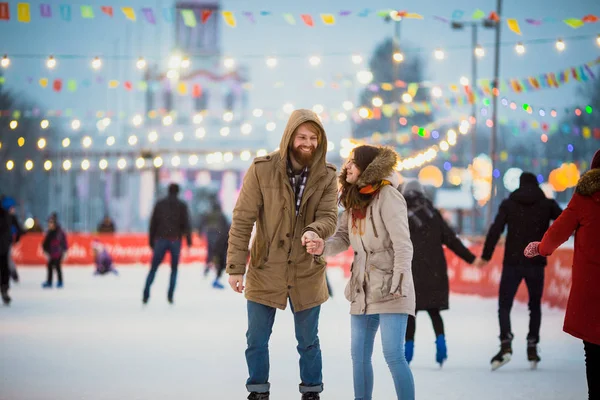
[(498, 364), (533, 365)]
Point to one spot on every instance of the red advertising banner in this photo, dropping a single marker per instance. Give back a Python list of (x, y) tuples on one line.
[(466, 279)]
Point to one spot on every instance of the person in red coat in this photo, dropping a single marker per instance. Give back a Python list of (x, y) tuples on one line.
[(582, 317)]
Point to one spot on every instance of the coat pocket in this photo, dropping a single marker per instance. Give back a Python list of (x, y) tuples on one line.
[(350, 289)]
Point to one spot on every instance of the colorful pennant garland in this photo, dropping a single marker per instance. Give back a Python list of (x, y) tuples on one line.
[(190, 18)]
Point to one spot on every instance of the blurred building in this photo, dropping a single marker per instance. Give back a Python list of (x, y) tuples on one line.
[(194, 128)]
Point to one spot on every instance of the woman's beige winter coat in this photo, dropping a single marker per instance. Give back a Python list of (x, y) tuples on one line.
[(280, 267), (383, 254)]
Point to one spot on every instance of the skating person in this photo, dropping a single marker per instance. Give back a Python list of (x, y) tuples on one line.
[(5, 240), (291, 195), (16, 231), (102, 259), (428, 233), (216, 228), (526, 214), (380, 289), (582, 317), (169, 223), (54, 246)]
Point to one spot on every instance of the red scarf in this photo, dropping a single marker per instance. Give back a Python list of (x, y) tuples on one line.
[(359, 214)]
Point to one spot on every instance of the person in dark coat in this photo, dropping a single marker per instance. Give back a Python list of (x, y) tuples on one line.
[(527, 214), (106, 225), (428, 233), (169, 223), (582, 317), (16, 231), (216, 228), (55, 246), (5, 240)]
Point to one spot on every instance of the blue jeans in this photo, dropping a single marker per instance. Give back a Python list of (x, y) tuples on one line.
[(161, 246), (393, 331), (260, 326)]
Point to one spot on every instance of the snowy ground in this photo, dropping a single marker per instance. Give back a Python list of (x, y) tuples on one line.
[(94, 340)]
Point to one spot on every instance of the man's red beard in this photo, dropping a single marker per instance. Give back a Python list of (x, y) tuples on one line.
[(304, 159)]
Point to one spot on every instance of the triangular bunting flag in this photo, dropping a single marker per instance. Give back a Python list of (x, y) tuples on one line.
[(129, 13), (574, 22), (148, 13), (308, 20), (87, 12), (23, 12), (513, 25), (229, 18), (289, 18), (205, 15), (4, 12), (108, 10), (189, 18), (328, 19), (45, 11)]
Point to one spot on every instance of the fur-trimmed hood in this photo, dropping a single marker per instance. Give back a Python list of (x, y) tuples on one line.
[(382, 167), (589, 183)]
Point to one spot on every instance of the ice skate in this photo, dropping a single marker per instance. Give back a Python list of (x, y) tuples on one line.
[(311, 396), (532, 355), (504, 355), (5, 297), (217, 285), (409, 350), (258, 396), (441, 354)]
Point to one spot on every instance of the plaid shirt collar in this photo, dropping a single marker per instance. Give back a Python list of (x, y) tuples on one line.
[(298, 185)]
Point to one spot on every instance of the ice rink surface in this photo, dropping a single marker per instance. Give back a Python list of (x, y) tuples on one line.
[(94, 340)]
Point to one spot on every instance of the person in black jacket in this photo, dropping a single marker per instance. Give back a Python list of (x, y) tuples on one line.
[(55, 246), (170, 221), (527, 214), (428, 233), (216, 227), (9, 204), (5, 240)]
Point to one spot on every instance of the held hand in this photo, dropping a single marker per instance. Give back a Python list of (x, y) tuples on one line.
[(315, 247), (237, 283), (532, 250), (308, 236), (479, 262)]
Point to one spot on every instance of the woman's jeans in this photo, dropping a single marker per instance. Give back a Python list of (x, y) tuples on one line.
[(393, 331)]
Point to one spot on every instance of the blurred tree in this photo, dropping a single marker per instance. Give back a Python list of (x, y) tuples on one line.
[(411, 69)]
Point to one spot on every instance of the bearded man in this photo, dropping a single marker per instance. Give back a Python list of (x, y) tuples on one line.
[(291, 195)]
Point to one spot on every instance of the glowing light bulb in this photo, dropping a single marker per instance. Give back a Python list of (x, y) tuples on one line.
[(560, 45), (229, 63), (357, 59), (479, 51), (51, 62), (141, 63), (314, 61), (5, 62), (398, 57), (519, 48), (271, 62), (96, 63), (44, 124), (439, 54)]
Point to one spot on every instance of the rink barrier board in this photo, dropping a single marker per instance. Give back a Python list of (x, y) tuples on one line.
[(130, 249)]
